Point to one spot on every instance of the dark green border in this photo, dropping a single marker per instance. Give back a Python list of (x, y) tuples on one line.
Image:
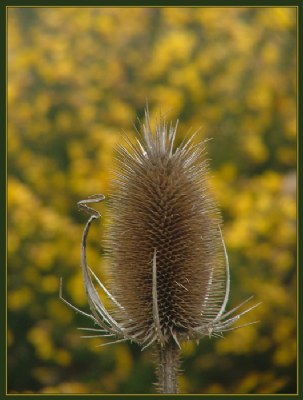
[(149, 3), (299, 194), (2, 199), (3, 171)]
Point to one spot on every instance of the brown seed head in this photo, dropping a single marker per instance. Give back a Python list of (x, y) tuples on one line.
[(166, 256), (165, 245)]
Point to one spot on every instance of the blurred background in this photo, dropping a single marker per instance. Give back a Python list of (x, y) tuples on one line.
[(77, 77)]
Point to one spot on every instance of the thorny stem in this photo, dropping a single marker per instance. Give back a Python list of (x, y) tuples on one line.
[(168, 366)]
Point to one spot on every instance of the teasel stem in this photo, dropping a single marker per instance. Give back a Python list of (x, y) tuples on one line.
[(168, 367)]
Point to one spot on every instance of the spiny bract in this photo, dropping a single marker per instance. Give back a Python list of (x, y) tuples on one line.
[(169, 273)]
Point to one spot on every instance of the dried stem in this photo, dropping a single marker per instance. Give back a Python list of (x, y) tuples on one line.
[(168, 367)]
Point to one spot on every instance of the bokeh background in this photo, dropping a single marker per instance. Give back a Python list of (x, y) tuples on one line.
[(77, 77)]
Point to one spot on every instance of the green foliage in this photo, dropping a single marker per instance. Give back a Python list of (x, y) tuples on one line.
[(76, 78)]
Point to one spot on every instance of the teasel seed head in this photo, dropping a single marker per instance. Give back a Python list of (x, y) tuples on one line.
[(165, 250), (168, 266)]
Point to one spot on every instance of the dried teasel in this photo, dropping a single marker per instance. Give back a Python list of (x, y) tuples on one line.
[(169, 272)]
